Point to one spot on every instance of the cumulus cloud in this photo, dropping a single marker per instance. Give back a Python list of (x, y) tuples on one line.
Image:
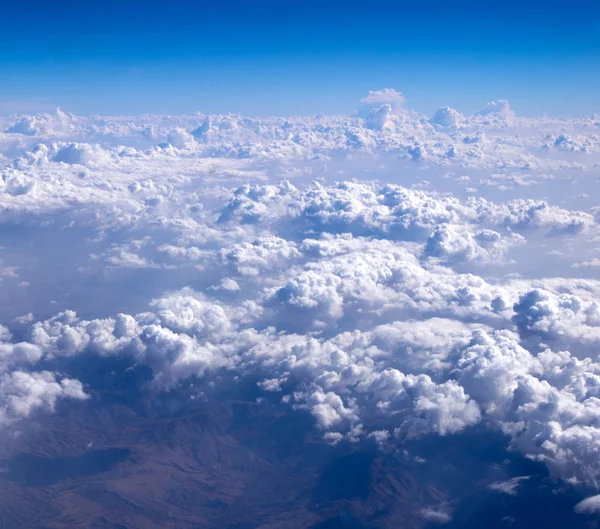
[(340, 260), (392, 211), (378, 98), (180, 138), (71, 153), (365, 381), (562, 318), (261, 255), (44, 124), (446, 117), (22, 393), (499, 108), (449, 244)]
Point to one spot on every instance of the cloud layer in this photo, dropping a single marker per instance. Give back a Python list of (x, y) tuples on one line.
[(350, 262)]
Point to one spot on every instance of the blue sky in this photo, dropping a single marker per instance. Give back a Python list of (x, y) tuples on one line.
[(292, 57)]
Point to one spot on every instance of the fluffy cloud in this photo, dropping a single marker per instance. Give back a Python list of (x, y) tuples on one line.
[(377, 98), (45, 124), (180, 138), (451, 245), (411, 379), (565, 319), (357, 266), (22, 393), (499, 108), (394, 212), (261, 255), (446, 117), (69, 153)]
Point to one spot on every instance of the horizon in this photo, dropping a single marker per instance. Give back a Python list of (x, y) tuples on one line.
[(402, 109)]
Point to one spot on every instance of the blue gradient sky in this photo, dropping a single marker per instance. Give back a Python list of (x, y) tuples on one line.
[(293, 57)]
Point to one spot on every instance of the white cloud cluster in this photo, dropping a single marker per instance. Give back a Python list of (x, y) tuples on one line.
[(394, 276), (446, 117), (449, 244), (378, 98), (394, 212), (500, 109), (381, 125), (45, 124), (65, 152), (409, 377), (561, 318), (23, 391)]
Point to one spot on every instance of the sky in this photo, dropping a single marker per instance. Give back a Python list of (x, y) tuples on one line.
[(228, 301), (289, 57)]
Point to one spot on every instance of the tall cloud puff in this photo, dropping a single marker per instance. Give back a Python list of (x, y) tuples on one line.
[(565, 319), (377, 98), (499, 108), (45, 124), (446, 117)]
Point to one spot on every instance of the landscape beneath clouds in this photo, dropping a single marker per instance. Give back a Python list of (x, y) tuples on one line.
[(383, 319)]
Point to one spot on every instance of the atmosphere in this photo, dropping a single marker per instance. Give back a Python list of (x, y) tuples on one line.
[(299, 265), (291, 57)]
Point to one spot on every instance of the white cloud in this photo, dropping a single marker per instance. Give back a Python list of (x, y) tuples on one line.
[(337, 258), (589, 505), (565, 319), (22, 393), (499, 108), (439, 515), (180, 138), (376, 98), (509, 487), (446, 117), (44, 124), (450, 244)]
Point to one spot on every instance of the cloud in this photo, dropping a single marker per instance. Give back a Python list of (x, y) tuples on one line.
[(342, 261), (261, 255), (15, 182), (589, 505), (509, 487), (180, 138), (44, 124), (394, 212), (70, 153), (439, 516), (499, 108), (449, 244), (446, 117), (565, 319), (367, 380), (22, 393), (377, 98)]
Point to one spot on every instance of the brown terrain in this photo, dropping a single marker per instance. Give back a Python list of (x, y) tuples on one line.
[(133, 459)]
